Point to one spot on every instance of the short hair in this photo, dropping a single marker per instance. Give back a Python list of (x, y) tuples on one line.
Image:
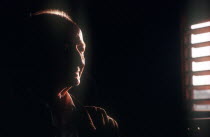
[(54, 12)]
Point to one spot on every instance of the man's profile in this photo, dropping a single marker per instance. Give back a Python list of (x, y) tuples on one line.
[(52, 61)]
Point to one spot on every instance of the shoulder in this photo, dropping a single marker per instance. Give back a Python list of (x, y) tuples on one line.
[(102, 121)]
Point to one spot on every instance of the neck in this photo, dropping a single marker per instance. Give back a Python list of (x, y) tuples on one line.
[(60, 101), (64, 100)]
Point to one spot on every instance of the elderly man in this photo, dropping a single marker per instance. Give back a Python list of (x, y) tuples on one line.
[(52, 61)]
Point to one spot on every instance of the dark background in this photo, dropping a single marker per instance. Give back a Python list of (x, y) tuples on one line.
[(136, 65), (133, 61)]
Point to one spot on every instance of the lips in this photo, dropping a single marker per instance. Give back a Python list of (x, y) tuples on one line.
[(76, 74), (74, 77)]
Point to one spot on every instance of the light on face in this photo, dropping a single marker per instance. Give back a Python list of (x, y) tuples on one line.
[(81, 36), (201, 94), (54, 12), (200, 66), (199, 38), (200, 52), (200, 25), (201, 107), (201, 80)]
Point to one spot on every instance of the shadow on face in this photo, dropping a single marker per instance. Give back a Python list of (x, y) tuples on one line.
[(52, 54)]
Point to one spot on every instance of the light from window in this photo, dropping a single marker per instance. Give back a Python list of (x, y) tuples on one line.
[(201, 80), (200, 52), (201, 107), (200, 25), (199, 38), (201, 94), (200, 66)]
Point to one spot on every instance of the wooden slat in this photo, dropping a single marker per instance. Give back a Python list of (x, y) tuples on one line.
[(203, 118), (200, 30), (201, 44), (199, 59), (200, 87), (201, 102), (201, 73)]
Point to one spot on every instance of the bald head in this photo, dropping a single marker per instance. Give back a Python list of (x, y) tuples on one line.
[(54, 12), (54, 49), (54, 18)]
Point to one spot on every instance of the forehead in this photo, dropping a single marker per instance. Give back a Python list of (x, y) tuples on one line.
[(52, 27), (75, 37)]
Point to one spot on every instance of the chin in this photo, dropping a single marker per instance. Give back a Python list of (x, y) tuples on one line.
[(77, 83)]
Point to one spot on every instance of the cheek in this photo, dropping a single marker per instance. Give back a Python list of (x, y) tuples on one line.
[(83, 59), (81, 71), (83, 62)]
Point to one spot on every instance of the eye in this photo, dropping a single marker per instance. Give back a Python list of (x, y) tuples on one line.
[(81, 48)]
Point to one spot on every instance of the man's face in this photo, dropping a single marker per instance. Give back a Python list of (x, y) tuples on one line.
[(77, 58), (58, 55), (71, 64)]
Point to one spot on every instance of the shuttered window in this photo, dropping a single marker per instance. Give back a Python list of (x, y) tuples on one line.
[(197, 67)]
